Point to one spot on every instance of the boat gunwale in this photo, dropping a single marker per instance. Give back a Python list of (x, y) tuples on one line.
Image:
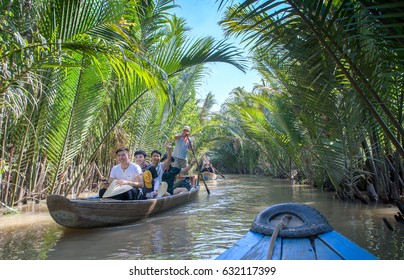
[(101, 200)]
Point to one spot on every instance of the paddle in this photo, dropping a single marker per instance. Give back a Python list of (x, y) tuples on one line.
[(103, 179), (217, 171), (199, 171)]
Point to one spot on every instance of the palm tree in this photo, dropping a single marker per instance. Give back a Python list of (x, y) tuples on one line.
[(340, 64), (72, 71)]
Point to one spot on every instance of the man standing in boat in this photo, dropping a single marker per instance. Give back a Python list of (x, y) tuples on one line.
[(126, 176), (182, 144), (150, 177), (206, 165)]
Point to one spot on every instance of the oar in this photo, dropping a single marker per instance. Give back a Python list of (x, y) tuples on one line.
[(97, 170), (103, 179), (217, 171), (199, 171)]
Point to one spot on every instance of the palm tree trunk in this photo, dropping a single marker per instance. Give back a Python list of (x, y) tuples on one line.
[(394, 168), (10, 164), (372, 167), (379, 168), (22, 150), (3, 164)]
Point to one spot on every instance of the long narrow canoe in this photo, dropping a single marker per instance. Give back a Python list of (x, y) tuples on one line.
[(292, 231), (104, 212)]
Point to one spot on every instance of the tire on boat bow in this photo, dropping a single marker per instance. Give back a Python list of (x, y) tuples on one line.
[(305, 221)]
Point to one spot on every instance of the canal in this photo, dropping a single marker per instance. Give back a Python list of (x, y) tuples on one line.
[(200, 230)]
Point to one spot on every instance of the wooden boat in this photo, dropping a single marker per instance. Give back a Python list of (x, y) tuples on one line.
[(293, 231), (103, 212), (208, 176)]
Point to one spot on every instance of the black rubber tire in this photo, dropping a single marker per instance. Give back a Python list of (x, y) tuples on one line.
[(313, 221)]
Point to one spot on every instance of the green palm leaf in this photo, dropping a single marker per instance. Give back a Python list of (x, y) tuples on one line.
[(337, 28)]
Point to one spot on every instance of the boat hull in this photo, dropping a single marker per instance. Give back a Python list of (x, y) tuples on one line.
[(100, 212), (311, 239)]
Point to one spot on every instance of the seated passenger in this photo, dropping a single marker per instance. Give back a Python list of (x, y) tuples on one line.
[(170, 173), (123, 175), (150, 178), (160, 164), (208, 169)]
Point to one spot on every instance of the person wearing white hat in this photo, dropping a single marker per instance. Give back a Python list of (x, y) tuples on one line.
[(181, 147), (125, 180)]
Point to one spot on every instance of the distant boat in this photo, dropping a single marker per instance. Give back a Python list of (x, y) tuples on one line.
[(208, 176), (103, 212), (293, 231)]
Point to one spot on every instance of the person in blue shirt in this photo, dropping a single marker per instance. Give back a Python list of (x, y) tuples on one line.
[(182, 144)]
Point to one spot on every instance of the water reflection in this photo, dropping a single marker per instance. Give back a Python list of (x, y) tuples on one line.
[(204, 228), (28, 236)]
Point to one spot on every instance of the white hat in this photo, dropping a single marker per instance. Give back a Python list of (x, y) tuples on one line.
[(162, 189), (186, 128), (115, 189)]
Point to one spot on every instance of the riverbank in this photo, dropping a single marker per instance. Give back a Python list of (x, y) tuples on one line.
[(24, 216), (27, 214)]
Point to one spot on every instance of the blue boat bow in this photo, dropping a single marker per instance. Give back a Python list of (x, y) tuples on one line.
[(293, 231)]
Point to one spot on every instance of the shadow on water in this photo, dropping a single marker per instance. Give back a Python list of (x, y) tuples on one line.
[(202, 229)]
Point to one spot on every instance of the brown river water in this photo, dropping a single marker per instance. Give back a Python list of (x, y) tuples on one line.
[(200, 230)]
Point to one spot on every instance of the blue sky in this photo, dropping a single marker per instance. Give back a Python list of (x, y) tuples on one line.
[(202, 17)]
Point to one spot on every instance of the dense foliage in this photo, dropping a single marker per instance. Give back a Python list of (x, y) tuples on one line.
[(82, 78), (331, 101)]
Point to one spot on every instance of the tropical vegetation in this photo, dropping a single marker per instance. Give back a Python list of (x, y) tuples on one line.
[(330, 104), (82, 78)]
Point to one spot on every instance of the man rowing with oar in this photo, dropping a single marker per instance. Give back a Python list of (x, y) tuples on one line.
[(181, 147)]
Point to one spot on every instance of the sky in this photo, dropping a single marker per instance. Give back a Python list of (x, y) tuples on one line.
[(202, 17)]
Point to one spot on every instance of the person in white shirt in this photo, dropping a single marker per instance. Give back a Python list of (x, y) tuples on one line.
[(126, 173)]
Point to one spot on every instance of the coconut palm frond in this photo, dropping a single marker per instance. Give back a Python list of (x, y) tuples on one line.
[(336, 27), (207, 104), (71, 116)]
